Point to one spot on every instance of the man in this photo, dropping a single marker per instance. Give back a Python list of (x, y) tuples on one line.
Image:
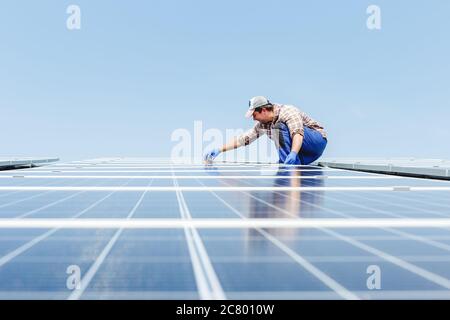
[(300, 139)]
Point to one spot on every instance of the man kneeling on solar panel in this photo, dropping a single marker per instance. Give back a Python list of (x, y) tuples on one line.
[(300, 140)]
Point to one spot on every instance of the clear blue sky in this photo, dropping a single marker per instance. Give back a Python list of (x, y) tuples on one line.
[(137, 70)]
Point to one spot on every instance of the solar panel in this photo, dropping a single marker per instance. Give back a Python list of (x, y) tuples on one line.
[(132, 228), (13, 163), (429, 168)]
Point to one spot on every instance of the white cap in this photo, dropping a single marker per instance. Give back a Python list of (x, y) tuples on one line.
[(256, 102)]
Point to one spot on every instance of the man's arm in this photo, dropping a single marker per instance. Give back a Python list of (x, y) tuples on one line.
[(292, 158), (232, 144), (243, 140), (297, 141)]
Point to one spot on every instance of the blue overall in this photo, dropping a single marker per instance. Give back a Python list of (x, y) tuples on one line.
[(312, 147)]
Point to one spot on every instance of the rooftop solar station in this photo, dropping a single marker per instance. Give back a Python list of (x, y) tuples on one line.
[(138, 228)]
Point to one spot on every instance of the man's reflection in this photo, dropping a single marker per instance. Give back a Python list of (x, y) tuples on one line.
[(275, 204), (292, 204)]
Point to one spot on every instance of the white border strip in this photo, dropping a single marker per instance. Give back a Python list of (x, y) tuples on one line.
[(215, 188), (177, 171), (224, 223), (320, 177)]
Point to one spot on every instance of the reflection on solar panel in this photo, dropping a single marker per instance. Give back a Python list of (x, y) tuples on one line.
[(152, 229)]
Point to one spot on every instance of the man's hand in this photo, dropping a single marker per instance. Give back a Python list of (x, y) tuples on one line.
[(211, 155), (292, 158)]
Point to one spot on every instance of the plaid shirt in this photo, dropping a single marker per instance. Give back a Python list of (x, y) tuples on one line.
[(288, 114)]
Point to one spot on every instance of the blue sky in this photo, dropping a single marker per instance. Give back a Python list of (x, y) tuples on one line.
[(138, 70)]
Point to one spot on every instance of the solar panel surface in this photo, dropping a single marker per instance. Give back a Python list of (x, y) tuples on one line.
[(152, 229)]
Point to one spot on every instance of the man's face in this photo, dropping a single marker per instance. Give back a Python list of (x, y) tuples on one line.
[(262, 115)]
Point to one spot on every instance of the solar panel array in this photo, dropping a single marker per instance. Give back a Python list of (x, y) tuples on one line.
[(136, 228)]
